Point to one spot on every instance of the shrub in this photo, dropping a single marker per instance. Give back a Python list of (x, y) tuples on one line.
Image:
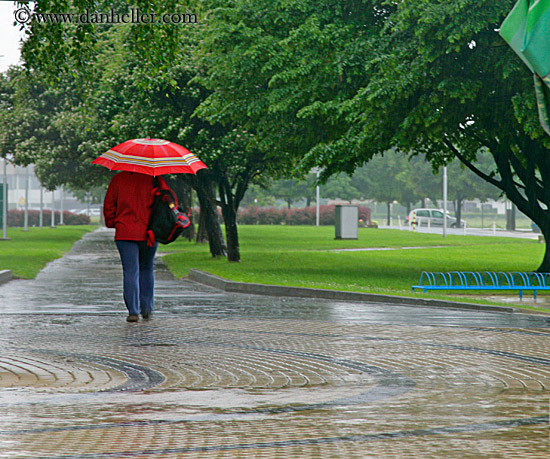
[(16, 218), (297, 216)]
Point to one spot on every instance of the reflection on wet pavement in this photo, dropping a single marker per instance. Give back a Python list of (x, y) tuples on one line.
[(227, 375)]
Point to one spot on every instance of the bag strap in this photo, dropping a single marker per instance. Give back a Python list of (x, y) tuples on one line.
[(161, 187)]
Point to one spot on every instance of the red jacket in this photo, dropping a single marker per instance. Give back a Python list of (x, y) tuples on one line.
[(128, 205)]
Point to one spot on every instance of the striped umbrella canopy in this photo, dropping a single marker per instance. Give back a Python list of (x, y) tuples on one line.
[(151, 157)]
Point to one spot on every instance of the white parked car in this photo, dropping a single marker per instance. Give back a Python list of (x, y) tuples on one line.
[(92, 212), (431, 217)]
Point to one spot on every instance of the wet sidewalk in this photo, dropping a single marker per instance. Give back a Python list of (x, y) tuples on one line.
[(218, 375)]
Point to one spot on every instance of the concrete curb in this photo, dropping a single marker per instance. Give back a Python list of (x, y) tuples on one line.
[(303, 292), (5, 276)]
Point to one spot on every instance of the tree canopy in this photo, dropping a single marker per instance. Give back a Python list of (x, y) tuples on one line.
[(337, 84)]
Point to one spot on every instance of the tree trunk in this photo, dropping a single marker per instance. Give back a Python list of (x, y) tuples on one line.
[(201, 234), (208, 221), (229, 205), (215, 236), (542, 220), (183, 190), (545, 265), (530, 191), (212, 226), (230, 196), (231, 234), (389, 213), (511, 218), (458, 212)]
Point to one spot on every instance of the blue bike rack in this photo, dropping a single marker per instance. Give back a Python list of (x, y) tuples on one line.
[(487, 280)]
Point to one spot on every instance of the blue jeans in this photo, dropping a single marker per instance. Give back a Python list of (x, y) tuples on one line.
[(138, 275)]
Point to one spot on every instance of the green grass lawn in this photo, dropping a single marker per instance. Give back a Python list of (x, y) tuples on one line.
[(27, 252), (305, 256)]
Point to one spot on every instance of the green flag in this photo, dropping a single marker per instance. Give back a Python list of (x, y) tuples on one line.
[(527, 30)]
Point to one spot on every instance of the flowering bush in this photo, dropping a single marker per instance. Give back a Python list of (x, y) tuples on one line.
[(16, 218), (297, 216)]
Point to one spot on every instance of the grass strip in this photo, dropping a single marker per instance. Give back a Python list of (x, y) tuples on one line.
[(305, 256), (27, 252)]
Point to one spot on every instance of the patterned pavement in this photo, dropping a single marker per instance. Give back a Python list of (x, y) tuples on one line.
[(217, 375)]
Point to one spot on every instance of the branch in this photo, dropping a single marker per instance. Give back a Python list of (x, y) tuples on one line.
[(470, 166), (534, 187), (527, 175), (536, 161), (492, 144), (511, 188)]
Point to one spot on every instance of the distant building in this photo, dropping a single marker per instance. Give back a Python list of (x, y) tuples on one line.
[(17, 182)]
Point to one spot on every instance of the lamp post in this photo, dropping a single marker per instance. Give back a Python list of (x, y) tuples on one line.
[(5, 201), (61, 209), (317, 210), (444, 201), (317, 171), (53, 209), (26, 219), (41, 218)]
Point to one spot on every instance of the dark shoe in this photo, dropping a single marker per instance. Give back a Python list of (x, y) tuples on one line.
[(147, 314), (132, 318)]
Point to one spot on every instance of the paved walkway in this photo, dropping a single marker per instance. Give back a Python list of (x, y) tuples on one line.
[(218, 375)]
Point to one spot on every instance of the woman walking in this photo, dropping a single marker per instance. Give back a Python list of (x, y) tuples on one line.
[(127, 208)]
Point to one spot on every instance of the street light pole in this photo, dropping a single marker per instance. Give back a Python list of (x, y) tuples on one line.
[(41, 218), (317, 199), (61, 209), (444, 201), (317, 171), (53, 209), (26, 219), (5, 201)]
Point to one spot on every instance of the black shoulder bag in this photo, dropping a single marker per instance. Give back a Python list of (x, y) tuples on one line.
[(167, 222)]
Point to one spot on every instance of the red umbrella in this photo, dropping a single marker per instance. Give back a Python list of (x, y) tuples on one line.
[(151, 157)]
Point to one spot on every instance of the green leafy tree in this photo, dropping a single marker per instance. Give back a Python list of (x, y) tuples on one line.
[(292, 190), (419, 182), (436, 79), (72, 113), (340, 186), (260, 61), (386, 178), (258, 195), (45, 126), (392, 177), (123, 71), (336, 84), (464, 91), (282, 70)]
